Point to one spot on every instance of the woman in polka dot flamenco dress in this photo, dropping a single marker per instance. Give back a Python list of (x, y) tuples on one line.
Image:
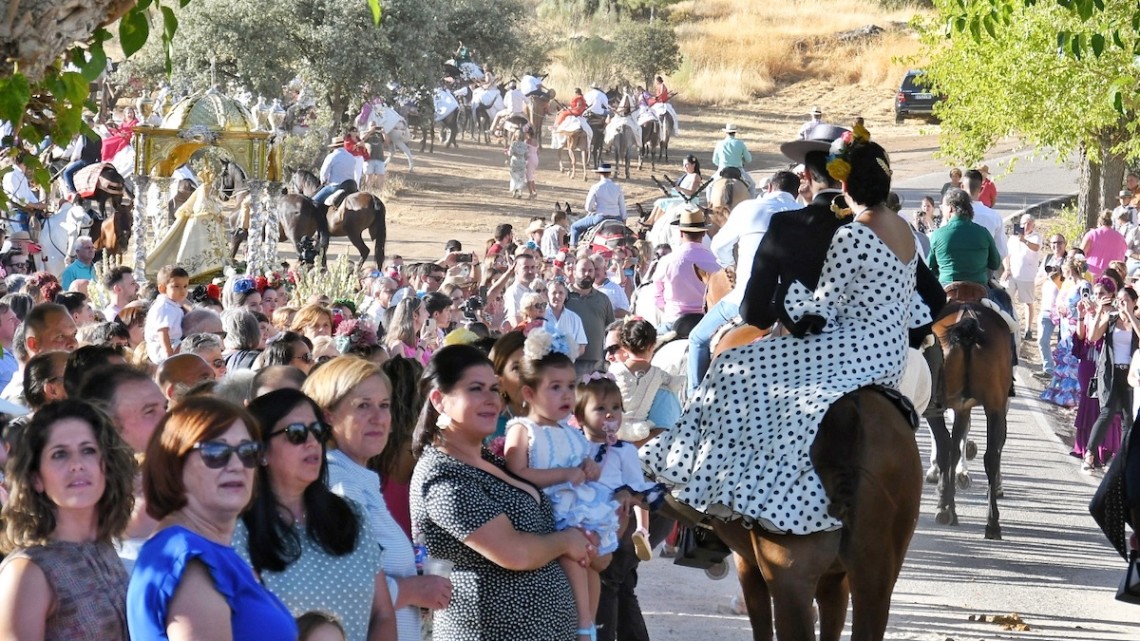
[(742, 446)]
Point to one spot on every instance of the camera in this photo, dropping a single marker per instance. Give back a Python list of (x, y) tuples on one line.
[(307, 250), (471, 308), (1017, 229)]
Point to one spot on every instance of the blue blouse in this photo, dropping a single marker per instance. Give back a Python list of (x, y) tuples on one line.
[(255, 613)]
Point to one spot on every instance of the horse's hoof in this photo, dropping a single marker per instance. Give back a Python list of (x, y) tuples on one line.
[(942, 518), (971, 450), (932, 475), (999, 491), (993, 532), (963, 481)]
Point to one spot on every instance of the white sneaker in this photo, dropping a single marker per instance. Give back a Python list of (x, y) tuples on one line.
[(641, 545)]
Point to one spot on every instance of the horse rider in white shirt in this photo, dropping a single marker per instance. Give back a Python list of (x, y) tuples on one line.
[(597, 102), (339, 166), (514, 104), (22, 199), (604, 201)]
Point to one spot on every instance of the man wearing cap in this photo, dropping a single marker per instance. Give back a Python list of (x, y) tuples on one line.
[(339, 165), (816, 117), (22, 200), (732, 152), (604, 201), (678, 289), (1024, 254)]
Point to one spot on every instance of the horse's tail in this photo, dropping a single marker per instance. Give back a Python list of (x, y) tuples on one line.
[(378, 230), (966, 335), (836, 456)]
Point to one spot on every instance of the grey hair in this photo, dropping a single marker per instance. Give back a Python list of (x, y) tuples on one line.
[(236, 387), (195, 318), (198, 343), (242, 331), (960, 202), (379, 284)]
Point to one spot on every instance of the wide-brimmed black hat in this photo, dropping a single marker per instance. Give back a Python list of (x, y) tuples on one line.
[(818, 139)]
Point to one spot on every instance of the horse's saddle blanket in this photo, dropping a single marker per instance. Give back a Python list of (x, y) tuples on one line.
[(90, 178), (645, 117), (900, 401)]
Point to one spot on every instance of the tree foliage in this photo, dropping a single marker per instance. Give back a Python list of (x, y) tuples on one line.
[(647, 49), (1006, 76)]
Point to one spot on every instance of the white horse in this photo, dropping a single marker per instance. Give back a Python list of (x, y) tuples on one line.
[(58, 235)]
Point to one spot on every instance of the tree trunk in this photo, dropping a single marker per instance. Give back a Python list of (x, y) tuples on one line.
[(1112, 169), (1089, 188), (34, 33)]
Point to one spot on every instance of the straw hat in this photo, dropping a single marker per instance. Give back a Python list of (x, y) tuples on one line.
[(692, 219)]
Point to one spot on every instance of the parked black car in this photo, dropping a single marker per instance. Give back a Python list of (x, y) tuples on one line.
[(913, 99)]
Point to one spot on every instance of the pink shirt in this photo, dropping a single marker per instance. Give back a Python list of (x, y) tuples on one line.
[(1102, 246), (679, 291)]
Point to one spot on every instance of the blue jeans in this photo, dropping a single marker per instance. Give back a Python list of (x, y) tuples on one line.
[(18, 221), (323, 194), (584, 225), (700, 340), (1045, 331), (69, 174)]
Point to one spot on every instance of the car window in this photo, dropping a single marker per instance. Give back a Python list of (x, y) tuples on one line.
[(912, 83)]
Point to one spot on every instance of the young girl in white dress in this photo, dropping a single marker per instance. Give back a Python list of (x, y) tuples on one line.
[(546, 450), (600, 413)]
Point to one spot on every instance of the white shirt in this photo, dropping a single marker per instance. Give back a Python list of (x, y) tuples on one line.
[(606, 198), (512, 298), (615, 293), (551, 242), (598, 102), (163, 314), (529, 83), (338, 167), (515, 102), (992, 221), (1023, 260), (745, 228), (18, 189), (570, 324)]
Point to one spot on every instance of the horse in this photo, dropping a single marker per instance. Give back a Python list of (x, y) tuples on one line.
[(103, 183), (573, 141), (115, 233), (724, 194), (622, 138), (650, 139), (359, 211), (57, 234), (867, 459), (977, 370), (446, 113), (233, 179), (537, 108), (666, 124), (597, 137)]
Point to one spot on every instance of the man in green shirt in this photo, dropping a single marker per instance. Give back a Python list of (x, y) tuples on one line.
[(962, 250)]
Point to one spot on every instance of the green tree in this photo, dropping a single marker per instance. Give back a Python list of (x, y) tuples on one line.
[(646, 50), (1007, 77)]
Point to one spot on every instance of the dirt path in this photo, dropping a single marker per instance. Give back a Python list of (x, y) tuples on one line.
[(463, 194)]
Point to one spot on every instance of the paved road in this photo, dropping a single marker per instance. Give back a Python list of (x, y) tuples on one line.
[(1031, 181), (1053, 566)]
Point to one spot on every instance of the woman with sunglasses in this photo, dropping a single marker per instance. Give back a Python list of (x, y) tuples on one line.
[(356, 398), (288, 348), (188, 582), (70, 479), (532, 311), (298, 534)]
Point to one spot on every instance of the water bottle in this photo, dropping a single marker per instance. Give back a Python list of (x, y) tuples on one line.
[(419, 547)]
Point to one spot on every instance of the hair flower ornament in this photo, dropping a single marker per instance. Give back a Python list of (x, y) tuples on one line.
[(354, 334), (244, 285), (839, 156), (596, 376), (260, 283), (541, 341), (461, 336)]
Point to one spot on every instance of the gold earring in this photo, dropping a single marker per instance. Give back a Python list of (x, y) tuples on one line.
[(839, 208)]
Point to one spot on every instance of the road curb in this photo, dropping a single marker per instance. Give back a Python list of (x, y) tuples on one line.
[(1044, 424)]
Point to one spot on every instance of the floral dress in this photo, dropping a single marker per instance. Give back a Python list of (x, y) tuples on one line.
[(1064, 387), (517, 164)]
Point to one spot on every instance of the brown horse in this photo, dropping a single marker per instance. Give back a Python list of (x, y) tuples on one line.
[(717, 286), (358, 212), (114, 233), (574, 141), (975, 342), (537, 109), (867, 459)]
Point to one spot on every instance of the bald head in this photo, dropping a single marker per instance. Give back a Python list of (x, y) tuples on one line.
[(202, 321), (182, 372), (277, 377)]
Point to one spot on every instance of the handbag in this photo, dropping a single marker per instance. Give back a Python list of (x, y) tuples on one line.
[(1129, 590), (699, 547)]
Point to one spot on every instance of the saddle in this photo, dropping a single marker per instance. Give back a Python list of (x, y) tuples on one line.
[(732, 172), (90, 179), (343, 190), (965, 292)]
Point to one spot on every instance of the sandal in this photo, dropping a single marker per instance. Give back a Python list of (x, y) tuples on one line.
[(1089, 463), (591, 632)]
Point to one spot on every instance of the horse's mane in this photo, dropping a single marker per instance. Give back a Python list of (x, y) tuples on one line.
[(305, 182)]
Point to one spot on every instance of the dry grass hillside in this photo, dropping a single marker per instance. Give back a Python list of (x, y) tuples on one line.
[(738, 50)]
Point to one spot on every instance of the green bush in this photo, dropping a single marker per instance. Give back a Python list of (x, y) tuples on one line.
[(591, 59), (647, 49), (1068, 222)]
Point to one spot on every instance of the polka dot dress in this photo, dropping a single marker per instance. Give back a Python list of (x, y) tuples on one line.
[(742, 446)]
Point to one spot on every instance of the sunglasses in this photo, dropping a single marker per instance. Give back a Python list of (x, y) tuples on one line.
[(612, 349), (216, 454), (298, 433), (307, 357)]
